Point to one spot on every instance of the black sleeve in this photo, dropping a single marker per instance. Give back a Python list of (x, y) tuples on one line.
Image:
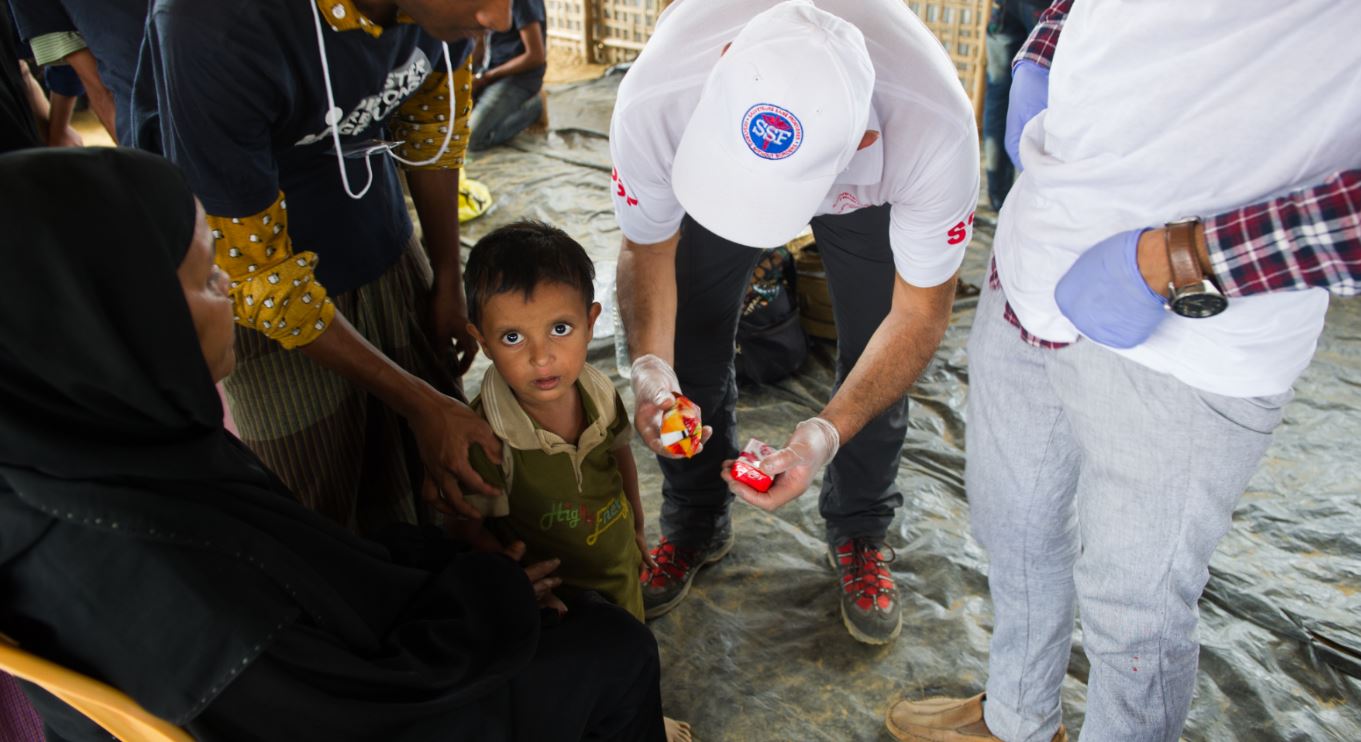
[(527, 12), (33, 18), (216, 106)]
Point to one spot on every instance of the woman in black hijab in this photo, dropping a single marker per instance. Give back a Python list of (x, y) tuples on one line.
[(17, 126), (142, 544)]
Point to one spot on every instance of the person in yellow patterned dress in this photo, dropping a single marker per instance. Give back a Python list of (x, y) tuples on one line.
[(352, 335)]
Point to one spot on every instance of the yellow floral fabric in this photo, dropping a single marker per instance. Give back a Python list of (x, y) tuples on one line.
[(272, 288), (342, 15), (422, 121)]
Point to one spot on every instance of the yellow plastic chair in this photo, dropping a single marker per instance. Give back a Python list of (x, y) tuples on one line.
[(106, 706)]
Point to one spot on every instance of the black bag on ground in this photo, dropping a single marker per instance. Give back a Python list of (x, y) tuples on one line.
[(771, 344)]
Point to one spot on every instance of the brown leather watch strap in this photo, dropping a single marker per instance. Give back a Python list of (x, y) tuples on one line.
[(1181, 254)]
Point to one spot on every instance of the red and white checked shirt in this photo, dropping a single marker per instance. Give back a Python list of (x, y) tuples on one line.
[(1305, 239)]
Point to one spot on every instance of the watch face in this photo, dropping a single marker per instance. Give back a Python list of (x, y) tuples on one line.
[(1198, 306)]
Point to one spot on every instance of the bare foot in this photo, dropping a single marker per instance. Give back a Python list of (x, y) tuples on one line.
[(676, 731)]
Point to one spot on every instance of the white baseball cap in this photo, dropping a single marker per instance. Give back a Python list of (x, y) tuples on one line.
[(780, 116)]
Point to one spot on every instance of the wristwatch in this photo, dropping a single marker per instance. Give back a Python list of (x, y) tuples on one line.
[(1192, 293)]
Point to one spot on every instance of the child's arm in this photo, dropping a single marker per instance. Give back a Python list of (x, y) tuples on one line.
[(628, 471)]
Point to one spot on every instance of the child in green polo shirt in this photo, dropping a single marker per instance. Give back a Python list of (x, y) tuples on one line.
[(570, 480)]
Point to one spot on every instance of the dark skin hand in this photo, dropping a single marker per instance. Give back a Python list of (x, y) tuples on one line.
[(541, 577), (101, 100), (59, 132), (444, 428), (433, 192)]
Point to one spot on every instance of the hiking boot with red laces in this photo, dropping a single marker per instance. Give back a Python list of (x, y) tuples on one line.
[(667, 585), (869, 597)]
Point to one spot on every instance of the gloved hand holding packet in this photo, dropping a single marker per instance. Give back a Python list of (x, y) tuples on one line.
[(747, 467), (681, 430)]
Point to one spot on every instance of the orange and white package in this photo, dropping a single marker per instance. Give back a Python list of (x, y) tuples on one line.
[(681, 429)]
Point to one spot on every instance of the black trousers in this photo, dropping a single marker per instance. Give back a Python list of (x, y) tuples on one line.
[(858, 495)]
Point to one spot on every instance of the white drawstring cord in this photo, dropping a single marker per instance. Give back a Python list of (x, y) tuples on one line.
[(334, 114)]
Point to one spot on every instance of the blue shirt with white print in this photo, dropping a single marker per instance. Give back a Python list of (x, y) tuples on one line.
[(243, 110)]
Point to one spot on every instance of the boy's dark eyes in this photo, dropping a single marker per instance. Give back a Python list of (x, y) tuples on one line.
[(559, 329)]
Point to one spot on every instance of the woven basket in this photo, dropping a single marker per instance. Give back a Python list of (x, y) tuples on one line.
[(815, 301)]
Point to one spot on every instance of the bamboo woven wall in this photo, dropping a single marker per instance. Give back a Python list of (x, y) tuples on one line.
[(612, 31), (569, 21), (961, 26)]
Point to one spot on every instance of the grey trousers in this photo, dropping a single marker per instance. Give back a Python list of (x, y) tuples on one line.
[(858, 494), (503, 110), (1095, 483)]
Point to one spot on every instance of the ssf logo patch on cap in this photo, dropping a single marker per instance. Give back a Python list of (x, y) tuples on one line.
[(772, 132)]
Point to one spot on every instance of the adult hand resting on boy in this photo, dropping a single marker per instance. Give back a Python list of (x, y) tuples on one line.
[(541, 577), (814, 442), (655, 387), (444, 428), (444, 431)]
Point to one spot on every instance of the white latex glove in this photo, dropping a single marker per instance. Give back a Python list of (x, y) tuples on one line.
[(655, 387), (814, 442)]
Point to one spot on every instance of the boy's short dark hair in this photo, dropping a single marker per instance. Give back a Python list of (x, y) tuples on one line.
[(519, 257)]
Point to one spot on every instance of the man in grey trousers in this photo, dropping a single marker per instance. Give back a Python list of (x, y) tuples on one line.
[(1161, 274)]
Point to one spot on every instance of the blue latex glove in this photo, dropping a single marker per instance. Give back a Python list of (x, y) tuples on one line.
[(1029, 96), (1105, 296)]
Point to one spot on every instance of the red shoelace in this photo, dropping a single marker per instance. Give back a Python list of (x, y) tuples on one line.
[(672, 564), (866, 577)]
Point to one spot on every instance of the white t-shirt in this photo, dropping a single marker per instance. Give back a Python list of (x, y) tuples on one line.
[(1164, 109), (925, 163)]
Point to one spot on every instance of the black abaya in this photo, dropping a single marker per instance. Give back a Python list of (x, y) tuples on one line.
[(18, 130), (143, 544)]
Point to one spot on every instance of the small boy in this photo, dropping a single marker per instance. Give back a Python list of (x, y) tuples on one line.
[(570, 480)]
